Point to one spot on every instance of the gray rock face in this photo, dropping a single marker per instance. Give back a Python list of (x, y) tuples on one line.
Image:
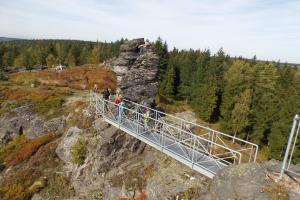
[(9, 127), (136, 73), (252, 181), (27, 122), (39, 127), (63, 150)]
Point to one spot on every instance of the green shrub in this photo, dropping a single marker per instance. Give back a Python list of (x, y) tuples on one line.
[(58, 186), (52, 102), (78, 152)]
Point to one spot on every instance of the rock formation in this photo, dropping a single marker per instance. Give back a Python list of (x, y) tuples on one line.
[(253, 181), (136, 73)]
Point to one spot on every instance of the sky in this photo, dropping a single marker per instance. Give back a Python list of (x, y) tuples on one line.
[(269, 29)]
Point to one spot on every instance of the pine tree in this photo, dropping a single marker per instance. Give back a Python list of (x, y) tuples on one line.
[(240, 115), (95, 55), (50, 60), (168, 84)]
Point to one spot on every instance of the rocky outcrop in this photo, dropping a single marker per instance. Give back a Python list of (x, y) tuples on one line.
[(136, 73), (63, 150), (28, 122), (252, 181), (118, 165), (38, 126)]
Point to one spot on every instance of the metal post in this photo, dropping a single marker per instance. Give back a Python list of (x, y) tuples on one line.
[(251, 152), (103, 107), (288, 146), (193, 154), (295, 141), (162, 133), (212, 140)]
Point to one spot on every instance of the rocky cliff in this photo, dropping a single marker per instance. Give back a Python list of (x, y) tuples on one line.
[(136, 72)]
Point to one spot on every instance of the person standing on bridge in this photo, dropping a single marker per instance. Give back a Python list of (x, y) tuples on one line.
[(121, 107), (146, 116), (106, 96)]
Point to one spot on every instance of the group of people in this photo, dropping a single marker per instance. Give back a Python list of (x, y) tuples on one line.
[(119, 102), (120, 107)]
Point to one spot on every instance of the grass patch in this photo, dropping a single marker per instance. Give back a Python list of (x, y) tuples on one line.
[(277, 192), (58, 187), (51, 103), (131, 179), (10, 150), (78, 152)]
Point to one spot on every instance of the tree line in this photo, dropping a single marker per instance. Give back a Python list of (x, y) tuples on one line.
[(250, 99), (28, 53)]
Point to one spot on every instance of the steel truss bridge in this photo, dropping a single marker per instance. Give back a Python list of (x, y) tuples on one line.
[(201, 148)]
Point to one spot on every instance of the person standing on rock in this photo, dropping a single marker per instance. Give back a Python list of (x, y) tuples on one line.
[(143, 47), (106, 95)]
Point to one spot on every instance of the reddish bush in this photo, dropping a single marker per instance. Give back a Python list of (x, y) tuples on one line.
[(30, 148), (142, 196)]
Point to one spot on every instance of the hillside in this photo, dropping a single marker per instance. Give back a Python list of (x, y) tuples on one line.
[(54, 146), (5, 39)]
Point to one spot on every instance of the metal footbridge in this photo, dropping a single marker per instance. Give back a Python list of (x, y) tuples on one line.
[(201, 148)]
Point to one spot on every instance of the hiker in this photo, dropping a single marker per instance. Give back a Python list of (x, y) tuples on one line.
[(106, 96), (143, 47), (153, 104), (95, 87), (117, 103), (146, 116), (160, 114), (121, 107)]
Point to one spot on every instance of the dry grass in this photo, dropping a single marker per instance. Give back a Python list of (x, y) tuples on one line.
[(76, 78)]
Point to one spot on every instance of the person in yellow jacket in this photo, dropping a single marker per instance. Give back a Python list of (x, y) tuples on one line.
[(146, 116)]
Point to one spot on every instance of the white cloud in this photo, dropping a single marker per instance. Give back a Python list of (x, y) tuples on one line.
[(270, 28)]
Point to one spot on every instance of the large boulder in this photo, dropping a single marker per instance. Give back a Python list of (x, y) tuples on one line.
[(39, 127), (63, 150), (252, 181), (136, 73)]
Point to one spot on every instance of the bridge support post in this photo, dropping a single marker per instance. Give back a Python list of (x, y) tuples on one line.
[(193, 154), (287, 151)]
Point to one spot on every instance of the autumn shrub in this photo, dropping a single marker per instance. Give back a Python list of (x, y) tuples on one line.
[(78, 152), (11, 149), (72, 77), (53, 102), (30, 148), (17, 184)]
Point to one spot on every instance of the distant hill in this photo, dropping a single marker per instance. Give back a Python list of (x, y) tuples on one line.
[(8, 39)]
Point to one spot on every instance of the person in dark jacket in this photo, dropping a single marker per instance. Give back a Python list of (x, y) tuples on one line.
[(106, 97)]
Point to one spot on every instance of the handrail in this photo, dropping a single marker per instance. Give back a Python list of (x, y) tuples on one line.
[(213, 146)]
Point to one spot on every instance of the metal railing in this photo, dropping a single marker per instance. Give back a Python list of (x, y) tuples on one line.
[(289, 151), (202, 148)]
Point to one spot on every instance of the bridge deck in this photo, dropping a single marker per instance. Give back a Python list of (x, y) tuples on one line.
[(207, 153), (178, 151)]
